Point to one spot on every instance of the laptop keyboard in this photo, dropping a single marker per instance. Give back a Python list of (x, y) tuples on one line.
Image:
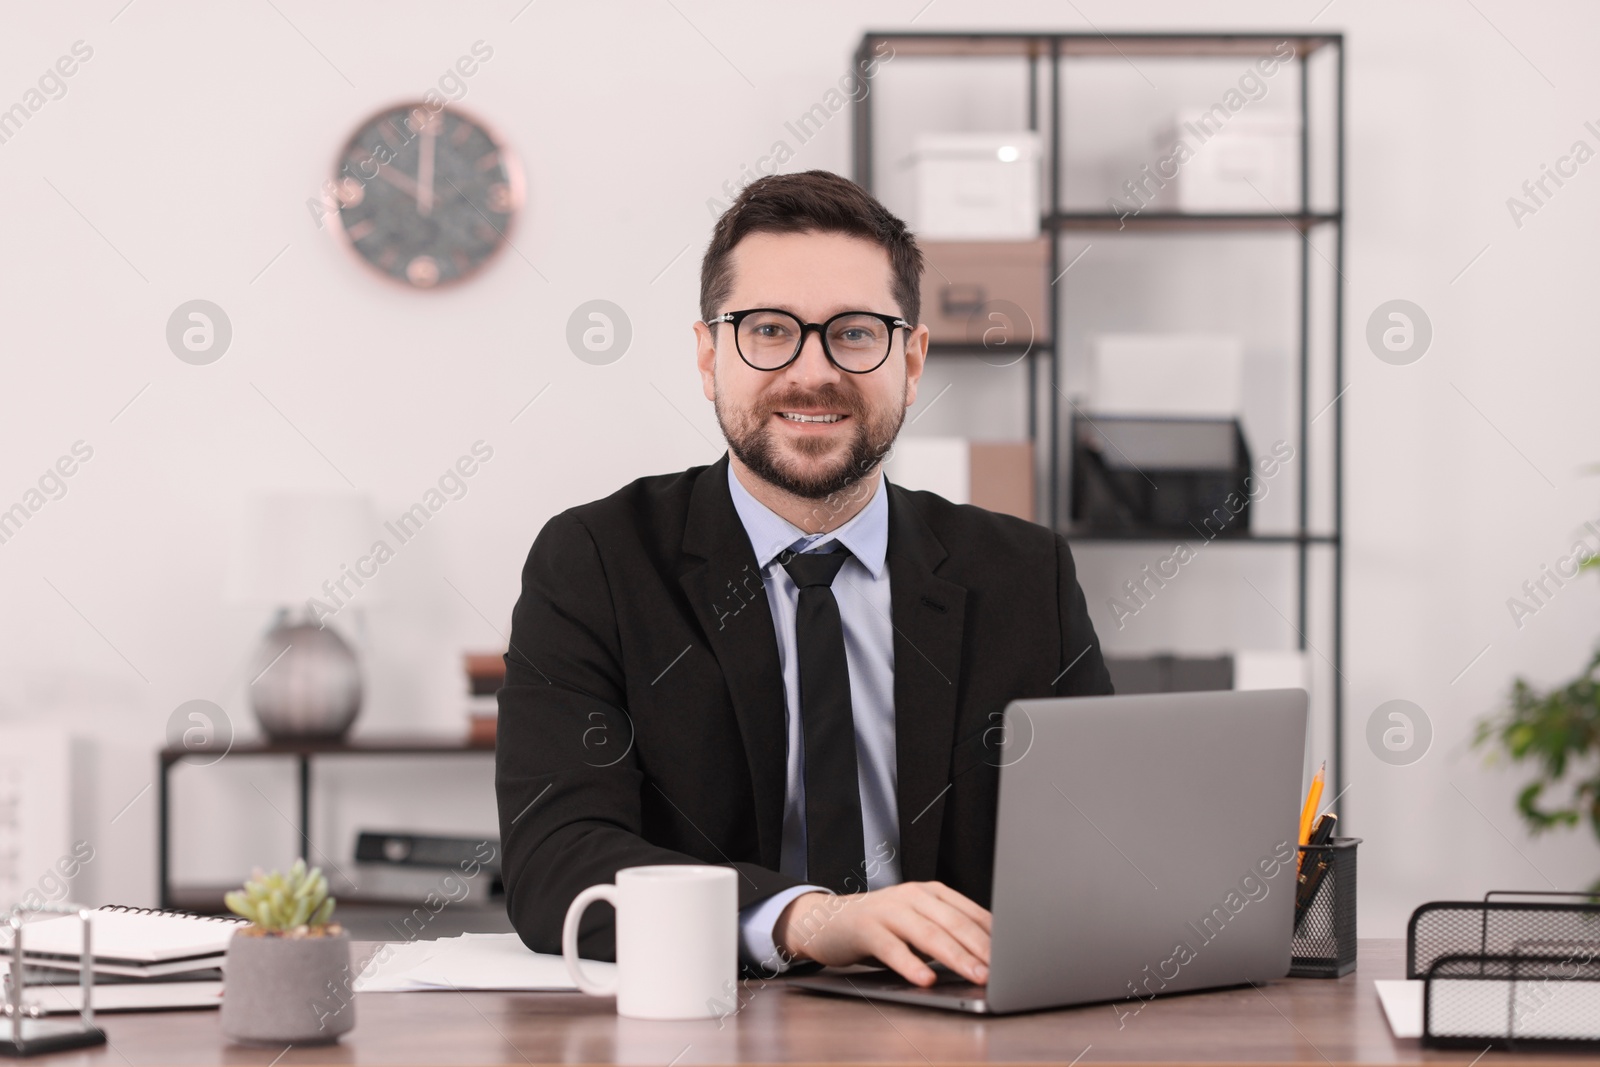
[(946, 983)]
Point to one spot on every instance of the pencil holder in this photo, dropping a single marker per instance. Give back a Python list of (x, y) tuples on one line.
[(1325, 935)]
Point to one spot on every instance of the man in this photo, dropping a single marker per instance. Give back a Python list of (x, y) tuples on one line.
[(781, 662)]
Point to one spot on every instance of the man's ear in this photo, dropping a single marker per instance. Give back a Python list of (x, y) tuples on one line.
[(916, 358), (705, 357)]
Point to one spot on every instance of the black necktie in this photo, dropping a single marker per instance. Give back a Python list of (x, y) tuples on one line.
[(834, 840)]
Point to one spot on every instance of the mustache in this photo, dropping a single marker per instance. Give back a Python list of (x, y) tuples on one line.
[(837, 399)]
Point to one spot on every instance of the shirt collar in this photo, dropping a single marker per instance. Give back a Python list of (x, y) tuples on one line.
[(866, 534)]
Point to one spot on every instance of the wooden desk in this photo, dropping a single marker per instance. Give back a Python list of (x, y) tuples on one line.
[(1290, 1021)]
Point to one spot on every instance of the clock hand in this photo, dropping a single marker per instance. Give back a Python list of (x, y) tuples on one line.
[(403, 182), (425, 168)]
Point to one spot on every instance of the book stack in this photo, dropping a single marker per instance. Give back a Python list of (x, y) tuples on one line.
[(130, 942), (141, 959), (486, 673)]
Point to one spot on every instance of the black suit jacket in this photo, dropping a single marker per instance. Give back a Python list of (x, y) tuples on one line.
[(643, 715)]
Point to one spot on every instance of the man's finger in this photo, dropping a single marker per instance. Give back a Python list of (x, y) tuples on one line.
[(974, 938), (893, 953), (963, 903), (928, 936)]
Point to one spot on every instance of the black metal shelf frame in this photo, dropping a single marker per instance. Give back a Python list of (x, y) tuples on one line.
[(303, 753), (1052, 49)]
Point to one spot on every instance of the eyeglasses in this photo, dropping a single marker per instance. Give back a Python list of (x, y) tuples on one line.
[(769, 339)]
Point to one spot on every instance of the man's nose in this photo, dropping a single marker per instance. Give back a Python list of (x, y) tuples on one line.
[(813, 365)]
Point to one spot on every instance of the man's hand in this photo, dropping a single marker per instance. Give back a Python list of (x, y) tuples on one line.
[(893, 925)]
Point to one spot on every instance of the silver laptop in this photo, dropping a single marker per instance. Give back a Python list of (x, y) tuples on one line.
[(1144, 845)]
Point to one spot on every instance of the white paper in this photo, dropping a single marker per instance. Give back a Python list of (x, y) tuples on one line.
[(470, 961), (1402, 1003)]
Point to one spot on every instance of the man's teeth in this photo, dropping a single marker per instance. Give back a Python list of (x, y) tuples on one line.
[(792, 417)]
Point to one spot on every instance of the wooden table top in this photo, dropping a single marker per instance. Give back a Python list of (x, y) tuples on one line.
[(1309, 1021)]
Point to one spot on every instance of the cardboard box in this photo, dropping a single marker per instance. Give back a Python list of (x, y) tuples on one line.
[(991, 293), (1002, 477)]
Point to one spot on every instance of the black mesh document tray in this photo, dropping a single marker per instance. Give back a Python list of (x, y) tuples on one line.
[(1508, 974)]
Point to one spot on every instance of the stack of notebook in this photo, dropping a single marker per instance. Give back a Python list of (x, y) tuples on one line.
[(130, 943)]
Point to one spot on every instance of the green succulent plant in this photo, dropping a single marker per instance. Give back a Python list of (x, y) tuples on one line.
[(279, 903)]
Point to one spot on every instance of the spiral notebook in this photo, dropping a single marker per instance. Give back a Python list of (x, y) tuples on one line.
[(133, 942), (132, 996)]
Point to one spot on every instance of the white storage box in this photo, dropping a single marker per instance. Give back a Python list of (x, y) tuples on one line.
[(1181, 374), (940, 465), (977, 186), (1262, 669), (1241, 162), (997, 475)]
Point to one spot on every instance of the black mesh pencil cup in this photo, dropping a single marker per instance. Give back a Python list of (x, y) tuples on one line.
[(1325, 934)]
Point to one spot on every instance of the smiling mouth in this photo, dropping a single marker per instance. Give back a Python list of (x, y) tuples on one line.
[(792, 416)]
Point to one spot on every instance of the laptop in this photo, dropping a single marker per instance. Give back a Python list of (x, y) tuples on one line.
[(1144, 845)]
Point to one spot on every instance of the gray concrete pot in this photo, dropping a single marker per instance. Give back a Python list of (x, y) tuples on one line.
[(287, 990)]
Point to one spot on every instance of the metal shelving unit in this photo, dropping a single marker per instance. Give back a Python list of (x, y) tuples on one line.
[(1044, 54)]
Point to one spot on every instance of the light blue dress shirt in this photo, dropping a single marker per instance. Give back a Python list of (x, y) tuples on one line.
[(862, 592)]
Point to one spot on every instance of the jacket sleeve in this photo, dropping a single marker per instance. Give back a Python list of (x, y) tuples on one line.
[(567, 779), (1083, 669)]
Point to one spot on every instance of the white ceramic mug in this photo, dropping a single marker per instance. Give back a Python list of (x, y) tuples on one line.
[(677, 940)]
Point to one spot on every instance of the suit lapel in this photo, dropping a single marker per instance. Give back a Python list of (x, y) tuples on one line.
[(725, 590), (929, 615)]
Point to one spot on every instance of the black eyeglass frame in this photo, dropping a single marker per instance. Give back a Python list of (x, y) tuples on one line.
[(894, 322)]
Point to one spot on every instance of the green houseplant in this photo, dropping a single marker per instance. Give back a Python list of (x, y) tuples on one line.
[(286, 975), (1558, 733)]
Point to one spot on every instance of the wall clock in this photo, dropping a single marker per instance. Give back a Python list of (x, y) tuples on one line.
[(426, 194)]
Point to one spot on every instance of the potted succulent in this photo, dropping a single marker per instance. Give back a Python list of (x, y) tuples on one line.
[(286, 978)]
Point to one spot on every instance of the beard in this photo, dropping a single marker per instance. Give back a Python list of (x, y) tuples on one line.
[(797, 466)]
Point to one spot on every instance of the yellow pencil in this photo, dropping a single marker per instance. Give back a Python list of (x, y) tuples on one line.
[(1308, 814)]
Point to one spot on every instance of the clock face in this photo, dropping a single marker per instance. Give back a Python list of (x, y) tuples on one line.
[(426, 196)]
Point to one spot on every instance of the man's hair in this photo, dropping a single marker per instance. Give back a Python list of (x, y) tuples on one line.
[(813, 201)]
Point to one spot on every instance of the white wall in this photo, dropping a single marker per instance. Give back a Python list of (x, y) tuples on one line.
[(178, 165)]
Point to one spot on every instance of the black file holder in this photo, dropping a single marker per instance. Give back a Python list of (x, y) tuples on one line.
[(1510, 975), (1168, 475), (1325, 936)]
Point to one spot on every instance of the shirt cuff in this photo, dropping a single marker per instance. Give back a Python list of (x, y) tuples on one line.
[(759, 922)]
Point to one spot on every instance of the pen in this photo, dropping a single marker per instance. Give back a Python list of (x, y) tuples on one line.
[(1310, 880)]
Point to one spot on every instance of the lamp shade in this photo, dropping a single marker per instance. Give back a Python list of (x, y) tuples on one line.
[(289, 544)]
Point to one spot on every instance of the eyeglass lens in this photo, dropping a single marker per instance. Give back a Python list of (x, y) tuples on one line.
[(769, 339)]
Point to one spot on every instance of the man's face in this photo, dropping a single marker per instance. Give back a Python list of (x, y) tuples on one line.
[(814, 276)]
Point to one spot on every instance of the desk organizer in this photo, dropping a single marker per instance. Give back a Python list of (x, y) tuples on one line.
[(1325, 937), (1514, 975), (24, 1031)]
